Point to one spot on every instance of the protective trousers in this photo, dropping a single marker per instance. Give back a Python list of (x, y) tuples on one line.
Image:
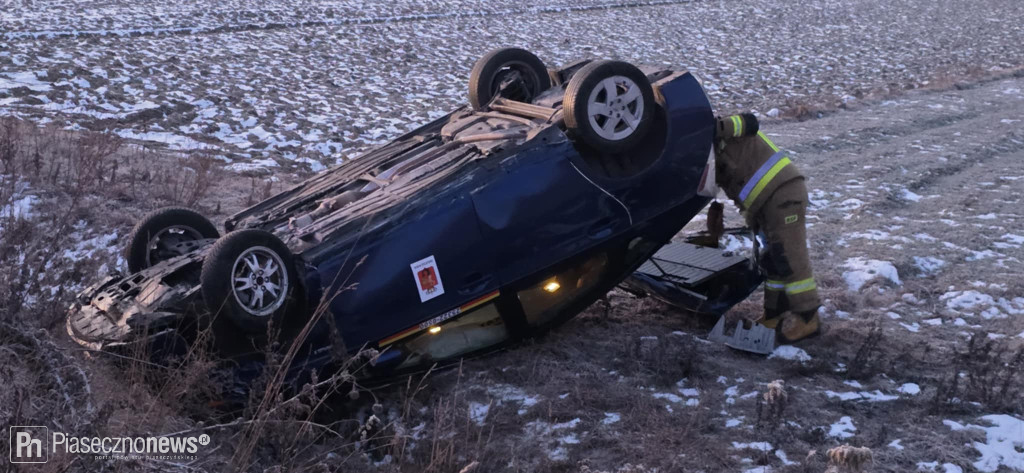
[(790, 284)]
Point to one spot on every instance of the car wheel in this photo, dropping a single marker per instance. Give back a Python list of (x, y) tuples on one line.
[(249, 277), (609, 105), (156, 236), (500, 64)]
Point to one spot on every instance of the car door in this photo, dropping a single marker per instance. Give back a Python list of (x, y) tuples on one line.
[(543, 210), (422, 269)]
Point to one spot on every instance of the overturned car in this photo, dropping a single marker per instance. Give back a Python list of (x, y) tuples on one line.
[(490, 224)]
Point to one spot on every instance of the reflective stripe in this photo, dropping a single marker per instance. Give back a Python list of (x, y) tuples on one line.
[(737, 126), (774, 285), (766, 140), (762, 177), (801, 286)]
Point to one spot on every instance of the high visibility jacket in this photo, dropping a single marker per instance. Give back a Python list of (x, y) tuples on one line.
[(748, 166)]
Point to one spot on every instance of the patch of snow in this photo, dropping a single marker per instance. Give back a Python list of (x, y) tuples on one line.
[(478, 412), (908, 195), (869, 396), (910, 298), (28, 79), (173, 141), (850, 204), (543, 430), (914, 327), (1004, 442), (911, 389), (862, 270), (736, 244), (688, 392), (19, 208), (781, 455), (668, 397), (314, 165), (895, 444), (967, 301), (504, 393), (611, 418), (928, 264), (843, 428), (87, 247), (790, 352), (730, 423)]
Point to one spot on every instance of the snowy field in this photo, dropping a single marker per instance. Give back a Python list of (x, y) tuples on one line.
[(261, 83)]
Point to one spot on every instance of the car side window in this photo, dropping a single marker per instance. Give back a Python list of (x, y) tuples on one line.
[(544, 300), (478, 329)]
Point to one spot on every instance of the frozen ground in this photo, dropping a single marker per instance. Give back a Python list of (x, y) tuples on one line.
[(265, 82)]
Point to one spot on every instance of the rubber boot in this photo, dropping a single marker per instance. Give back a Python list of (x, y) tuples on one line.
[(792, 327)]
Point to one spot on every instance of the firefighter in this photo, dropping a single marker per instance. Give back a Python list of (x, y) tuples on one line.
[(770, 191)]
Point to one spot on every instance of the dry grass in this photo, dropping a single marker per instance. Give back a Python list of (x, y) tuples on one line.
[(847, 459), (986, 372), (771, 407)]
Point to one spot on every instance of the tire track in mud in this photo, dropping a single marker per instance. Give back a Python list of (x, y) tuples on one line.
[(854, 139), (960, 143), (268, 26)]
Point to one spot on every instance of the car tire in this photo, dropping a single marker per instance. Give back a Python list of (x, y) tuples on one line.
[(249, 277), (152, 238), (491, 69), (609, 105)]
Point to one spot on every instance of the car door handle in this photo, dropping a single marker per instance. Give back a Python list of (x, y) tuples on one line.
[(474, 283)]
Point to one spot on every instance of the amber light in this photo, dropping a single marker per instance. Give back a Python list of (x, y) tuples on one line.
[(434, 329), (552, 286)]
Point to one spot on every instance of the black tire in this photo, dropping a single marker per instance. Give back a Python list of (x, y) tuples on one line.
[(577, 104), (183, 224), (223, 265), (493, 67)]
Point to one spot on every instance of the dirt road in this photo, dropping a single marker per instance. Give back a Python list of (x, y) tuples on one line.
[(917, 230)]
